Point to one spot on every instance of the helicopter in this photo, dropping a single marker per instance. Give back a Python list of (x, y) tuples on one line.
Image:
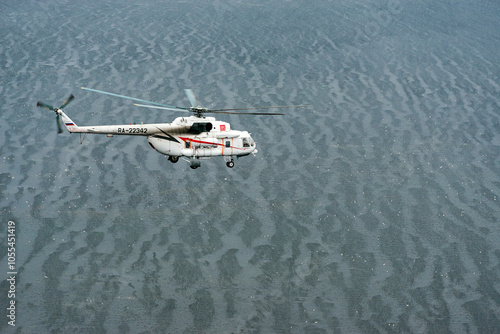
[(191, 138)]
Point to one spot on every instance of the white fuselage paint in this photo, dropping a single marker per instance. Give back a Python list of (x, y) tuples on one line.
[(207, 138)]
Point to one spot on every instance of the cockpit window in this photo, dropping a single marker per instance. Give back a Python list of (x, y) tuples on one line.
[(248, 141)]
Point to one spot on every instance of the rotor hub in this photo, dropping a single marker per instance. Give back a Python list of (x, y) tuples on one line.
[(198, 111)]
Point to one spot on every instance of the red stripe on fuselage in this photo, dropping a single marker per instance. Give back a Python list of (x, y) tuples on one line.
[(199, 141), (208, 143)]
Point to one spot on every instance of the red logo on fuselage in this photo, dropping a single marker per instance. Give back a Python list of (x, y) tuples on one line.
[(223, 127)]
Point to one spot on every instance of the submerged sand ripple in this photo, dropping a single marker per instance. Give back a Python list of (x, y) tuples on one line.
[(375, 210)]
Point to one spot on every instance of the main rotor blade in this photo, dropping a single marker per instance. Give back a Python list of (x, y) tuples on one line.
[(70, 98), (191, 97), (298, 106), (131, 98), (164, 108), (243, 113), (45, 106)]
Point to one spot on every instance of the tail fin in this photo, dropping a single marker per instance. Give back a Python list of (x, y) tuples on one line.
[(70, 125)]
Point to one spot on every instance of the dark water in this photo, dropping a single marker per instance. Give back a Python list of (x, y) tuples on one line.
[(373, 211)]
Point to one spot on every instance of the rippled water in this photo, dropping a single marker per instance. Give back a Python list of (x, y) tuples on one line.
[(373, 211)]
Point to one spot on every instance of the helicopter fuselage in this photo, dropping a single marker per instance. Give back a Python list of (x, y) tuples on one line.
[(192, 137)]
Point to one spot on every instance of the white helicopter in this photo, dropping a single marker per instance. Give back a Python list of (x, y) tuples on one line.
[(194, 137)]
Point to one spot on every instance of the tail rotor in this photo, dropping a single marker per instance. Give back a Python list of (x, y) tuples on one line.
[(56, 110), (68, 100)]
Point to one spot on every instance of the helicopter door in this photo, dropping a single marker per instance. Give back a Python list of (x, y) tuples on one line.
[(227, 147)]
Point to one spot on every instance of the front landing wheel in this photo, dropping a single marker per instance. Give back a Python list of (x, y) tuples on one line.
[(230, 164)]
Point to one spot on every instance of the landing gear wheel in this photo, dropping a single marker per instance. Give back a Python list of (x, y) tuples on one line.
[(195, 163), (173, 159), (230, 164)]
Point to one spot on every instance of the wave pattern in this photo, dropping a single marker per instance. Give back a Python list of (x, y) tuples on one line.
[(373, 211)]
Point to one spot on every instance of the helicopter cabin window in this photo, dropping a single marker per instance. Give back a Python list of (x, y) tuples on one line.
[(228, 144), (246, 143), (188, 144)]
